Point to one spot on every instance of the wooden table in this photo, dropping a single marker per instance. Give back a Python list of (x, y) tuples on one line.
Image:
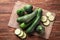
[(7, 33)]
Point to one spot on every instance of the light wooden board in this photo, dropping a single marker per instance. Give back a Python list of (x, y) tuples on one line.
[(14, 24)]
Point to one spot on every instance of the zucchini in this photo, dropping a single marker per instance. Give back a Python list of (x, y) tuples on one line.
[(17, 31), (24, 36), (40, 30), (35, 23), (43, 18), (20, 12), (21, 34), (22, 25), (26, 25), (46, 23), (27, 18), (51, 18), (48, 14), (28, 8)]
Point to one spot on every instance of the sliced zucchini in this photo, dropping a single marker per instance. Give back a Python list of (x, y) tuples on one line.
[(48, 14), (51, 18), (44, 19), (21, 34), (24, 36), (17, 31), (47, 23)]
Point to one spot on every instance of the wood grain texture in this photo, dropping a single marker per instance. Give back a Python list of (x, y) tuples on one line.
[(6, 6)]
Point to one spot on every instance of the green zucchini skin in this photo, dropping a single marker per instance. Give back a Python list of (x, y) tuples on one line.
[(27, 18), (22, 25), (20, 12), (35, 23), (26, 25), (28, 8), (40, 30)]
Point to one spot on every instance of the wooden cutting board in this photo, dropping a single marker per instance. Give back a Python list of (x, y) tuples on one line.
[(14, 24)]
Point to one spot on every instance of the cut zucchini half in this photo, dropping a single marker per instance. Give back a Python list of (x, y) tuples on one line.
[(47, 23), (24, 36), (21, 34), (48, 14), (17, 31), (51, 18), (44, 19)]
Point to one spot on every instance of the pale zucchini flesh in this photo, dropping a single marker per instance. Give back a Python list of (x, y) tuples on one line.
[(51, 18), (48, 14), (17, 31), (47, 23), (44, 19), (24, 36), (21, 34)]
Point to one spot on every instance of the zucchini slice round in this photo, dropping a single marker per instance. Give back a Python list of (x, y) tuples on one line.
[(17, 31), (48, 14), (51, 18), (47, 23), (44, 19), (24, 36), (21, 34)]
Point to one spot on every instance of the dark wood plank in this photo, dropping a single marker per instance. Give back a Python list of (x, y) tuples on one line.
[(4, 17), (4, 38), (7, 1), (7, 7)]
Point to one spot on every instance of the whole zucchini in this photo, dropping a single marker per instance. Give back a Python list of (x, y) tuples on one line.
[(27, 18), (20, 12), (35, 23), (40, 30), (28, 8), (26, 25)]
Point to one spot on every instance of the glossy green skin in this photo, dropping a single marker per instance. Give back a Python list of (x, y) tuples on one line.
[(27, 18), (28, 8), (40, 30), (20, 12), (22, 25), (26, 25), (35, 23)]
